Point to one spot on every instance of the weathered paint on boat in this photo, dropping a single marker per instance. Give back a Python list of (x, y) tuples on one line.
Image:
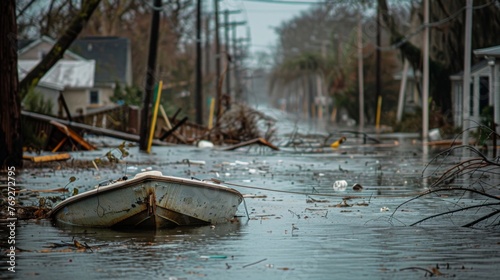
[(150, 200)]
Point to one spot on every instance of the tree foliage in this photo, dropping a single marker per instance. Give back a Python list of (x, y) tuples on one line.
[(62, 44), (447, 18), (322, 42)]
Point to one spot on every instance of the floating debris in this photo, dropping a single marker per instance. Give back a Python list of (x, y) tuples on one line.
[(340, 185), (357, 187)]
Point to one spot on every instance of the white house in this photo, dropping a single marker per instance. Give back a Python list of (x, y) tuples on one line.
[(86, 75), (492, 55)]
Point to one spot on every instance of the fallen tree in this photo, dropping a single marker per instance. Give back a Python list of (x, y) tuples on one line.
[(465, 183)]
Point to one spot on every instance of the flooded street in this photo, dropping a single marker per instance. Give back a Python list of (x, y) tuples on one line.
[(289, 235)]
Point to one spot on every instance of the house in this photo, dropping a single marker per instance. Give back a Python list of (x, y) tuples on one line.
[(86, 75), (480, 96), (113, 65), (492, 55), (484, 90), (72, 76)]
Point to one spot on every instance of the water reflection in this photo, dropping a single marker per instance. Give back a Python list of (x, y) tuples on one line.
[(357, 242)]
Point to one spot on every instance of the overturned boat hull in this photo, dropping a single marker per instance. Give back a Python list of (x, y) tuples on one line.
[(150, 200)]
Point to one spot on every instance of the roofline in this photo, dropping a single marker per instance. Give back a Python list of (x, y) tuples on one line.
[(50, 41), (486, 51)]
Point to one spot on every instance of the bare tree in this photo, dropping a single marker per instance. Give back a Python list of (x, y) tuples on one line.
[(10, 120), (62, 44), (446, 38)]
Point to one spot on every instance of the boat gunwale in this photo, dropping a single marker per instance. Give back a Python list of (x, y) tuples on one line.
[(141, 179)]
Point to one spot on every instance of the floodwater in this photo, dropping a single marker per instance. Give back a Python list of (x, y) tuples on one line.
[(287, 236)]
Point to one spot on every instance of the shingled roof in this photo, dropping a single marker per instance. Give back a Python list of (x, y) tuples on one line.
[(112, 56)]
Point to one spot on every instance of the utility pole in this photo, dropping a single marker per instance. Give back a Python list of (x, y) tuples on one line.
[(150, 75), (425, 93), (230, 55), (236, 58), (218, 111), (199, 76), (378, 81), (228, 58), (360, 75), (467, 62)]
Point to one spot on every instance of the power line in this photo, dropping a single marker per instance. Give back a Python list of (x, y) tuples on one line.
[(288, 2), (432, 24)]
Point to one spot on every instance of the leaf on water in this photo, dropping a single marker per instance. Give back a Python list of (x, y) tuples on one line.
[(78, 244), (75, 191), (436, 271), (72, 179)]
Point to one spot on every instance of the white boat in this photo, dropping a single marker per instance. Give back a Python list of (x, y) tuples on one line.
[(150, 200)]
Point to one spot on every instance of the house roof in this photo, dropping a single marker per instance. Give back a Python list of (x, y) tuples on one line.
[(25, 45), (491, 51), (111, 55), (67, 73), (476, 68)]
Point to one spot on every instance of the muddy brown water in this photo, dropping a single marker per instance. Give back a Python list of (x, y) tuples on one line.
[(288, 236)]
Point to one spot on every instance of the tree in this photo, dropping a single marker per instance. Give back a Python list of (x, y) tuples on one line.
[(446, 39), (322, 42), (10, 104), (62, 44)]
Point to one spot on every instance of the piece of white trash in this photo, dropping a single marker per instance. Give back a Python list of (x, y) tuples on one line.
[(205, 144), (340, 185), (384, 209)]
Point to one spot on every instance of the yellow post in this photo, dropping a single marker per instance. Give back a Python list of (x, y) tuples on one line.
[(211, 115), (155, 113), (379, 108)]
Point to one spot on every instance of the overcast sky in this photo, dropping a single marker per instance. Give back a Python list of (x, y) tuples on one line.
[(262, 17)]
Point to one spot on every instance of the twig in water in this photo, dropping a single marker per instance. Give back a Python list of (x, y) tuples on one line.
[(250, 264)]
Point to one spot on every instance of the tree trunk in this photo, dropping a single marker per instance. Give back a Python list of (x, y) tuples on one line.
[(57, 51), (11, 153), (439, 74)]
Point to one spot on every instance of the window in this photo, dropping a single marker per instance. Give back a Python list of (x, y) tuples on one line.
[(94, 97)]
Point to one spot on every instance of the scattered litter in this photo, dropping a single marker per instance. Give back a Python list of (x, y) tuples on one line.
[(343, 204), (312, 200), (337, 143), (132, 168), (214, 257), (357, 187), (340, 185), (48, 158), (384, 209), (205, 144), (255, 196), (247, 265), (194, 162), (259, 141)]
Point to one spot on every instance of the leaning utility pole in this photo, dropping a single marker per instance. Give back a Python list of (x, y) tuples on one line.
[(218, 94), (467, 62), (378, 79), (150, 75), (199, 77), (228, 58), (360, 75), (425, 86)]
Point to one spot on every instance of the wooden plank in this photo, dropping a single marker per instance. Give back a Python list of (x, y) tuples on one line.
[(95, 130), (59, 144), (48, 158), (260, 141), (73, 135), (179, 137), (166, 134)]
